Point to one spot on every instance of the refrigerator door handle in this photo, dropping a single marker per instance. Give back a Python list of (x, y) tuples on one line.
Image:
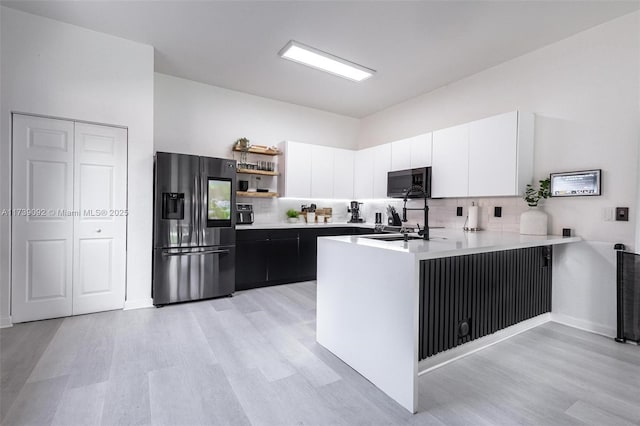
[(204, 207), (196, 209), (195, 253)]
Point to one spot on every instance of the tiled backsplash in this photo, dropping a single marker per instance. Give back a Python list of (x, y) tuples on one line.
[(442, 212)]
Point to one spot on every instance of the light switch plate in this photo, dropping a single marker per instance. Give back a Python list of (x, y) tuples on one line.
[(608, 214)]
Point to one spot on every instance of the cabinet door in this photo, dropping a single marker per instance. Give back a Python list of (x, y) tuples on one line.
[(308, 254), (343, 171), (492, 156), (401, 154), (363, 174), (321, 171), (309, 248), (283, 263), (251, 264), (450, 174), (297, 174), (381, 167), (421, 150)]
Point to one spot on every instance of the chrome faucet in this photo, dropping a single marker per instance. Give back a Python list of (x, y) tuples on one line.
[(424, 232)]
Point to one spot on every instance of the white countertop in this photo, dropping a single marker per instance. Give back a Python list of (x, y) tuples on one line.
[(287, 225), (450, 242)]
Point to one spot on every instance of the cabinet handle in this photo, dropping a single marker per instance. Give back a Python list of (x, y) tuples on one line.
[(98, 230)]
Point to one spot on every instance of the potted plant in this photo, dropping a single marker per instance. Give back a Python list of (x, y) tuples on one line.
[(292, 216), (534, 196), (243, 146), (243, 143), (535, 221)]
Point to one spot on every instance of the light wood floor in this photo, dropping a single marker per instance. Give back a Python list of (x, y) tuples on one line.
[(252, 359)]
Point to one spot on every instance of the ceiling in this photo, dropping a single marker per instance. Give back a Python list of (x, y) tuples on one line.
[(415, 46)]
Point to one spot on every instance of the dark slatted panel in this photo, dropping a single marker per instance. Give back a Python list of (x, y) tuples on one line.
[(487, 291), (628, 296), (421, 324)]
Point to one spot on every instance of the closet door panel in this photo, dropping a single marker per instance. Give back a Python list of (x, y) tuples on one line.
[(42, 222), (100, 228)]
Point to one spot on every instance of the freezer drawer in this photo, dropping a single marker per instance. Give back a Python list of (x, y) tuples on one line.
[(190, 274)]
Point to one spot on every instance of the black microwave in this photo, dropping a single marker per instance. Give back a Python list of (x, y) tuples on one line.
[(399, 182)]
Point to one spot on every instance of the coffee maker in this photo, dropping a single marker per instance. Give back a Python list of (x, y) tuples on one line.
[(354, 209)]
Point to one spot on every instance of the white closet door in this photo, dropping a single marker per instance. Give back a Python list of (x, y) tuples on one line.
[(42, 233), (100, 196)]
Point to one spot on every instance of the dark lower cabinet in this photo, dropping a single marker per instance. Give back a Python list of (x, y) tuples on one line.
[(283, 262), (463, 298), (309, 247), (251, 263), (279, 256), (308, 255)]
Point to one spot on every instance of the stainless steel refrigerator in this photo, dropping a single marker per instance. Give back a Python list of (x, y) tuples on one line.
[(193, 228)]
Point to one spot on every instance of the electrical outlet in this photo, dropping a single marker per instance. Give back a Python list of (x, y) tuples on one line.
[(458, 211), (497, 211), (622, 214)]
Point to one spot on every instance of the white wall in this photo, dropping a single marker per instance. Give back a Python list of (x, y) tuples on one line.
[(585, 91), (584, 286), (60, 70), (196, 118)]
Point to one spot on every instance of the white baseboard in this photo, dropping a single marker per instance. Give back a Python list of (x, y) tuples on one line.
[(583, 325), (5, 322), (451, 355), (138, 304)]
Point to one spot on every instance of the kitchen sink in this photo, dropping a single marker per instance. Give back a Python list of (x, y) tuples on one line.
[(398, 237), (393, 237)]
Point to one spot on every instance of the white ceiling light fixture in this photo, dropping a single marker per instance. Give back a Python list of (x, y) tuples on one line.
[(314, 58)]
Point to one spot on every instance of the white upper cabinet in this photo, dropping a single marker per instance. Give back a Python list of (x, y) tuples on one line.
[(401, 154), (500, 154), (450, 165), (322, 169), (316, 171), (295, 170), (363, 174), (421, 146), (381, 167), (411, 153), (492, 155), (343, 173)]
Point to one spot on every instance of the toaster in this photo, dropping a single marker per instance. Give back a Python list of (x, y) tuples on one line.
[(244, 214)]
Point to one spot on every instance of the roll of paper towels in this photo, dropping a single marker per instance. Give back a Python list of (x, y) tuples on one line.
[(473, 217)]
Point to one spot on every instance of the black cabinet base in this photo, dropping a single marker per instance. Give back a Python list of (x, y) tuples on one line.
[(280, 256)]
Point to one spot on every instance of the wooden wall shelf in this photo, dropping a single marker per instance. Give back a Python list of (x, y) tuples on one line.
[(253, 194), (257, 172), (259, 150)]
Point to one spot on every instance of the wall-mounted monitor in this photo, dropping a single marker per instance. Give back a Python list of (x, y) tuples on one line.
[(576, 184)]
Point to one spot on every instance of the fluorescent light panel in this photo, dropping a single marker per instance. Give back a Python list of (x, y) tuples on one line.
[(306, 55)]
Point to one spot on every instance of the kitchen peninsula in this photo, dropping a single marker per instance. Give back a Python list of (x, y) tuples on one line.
[(392, 309)]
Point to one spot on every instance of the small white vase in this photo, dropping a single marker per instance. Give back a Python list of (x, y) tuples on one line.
[(534, 222), (292, 219)]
